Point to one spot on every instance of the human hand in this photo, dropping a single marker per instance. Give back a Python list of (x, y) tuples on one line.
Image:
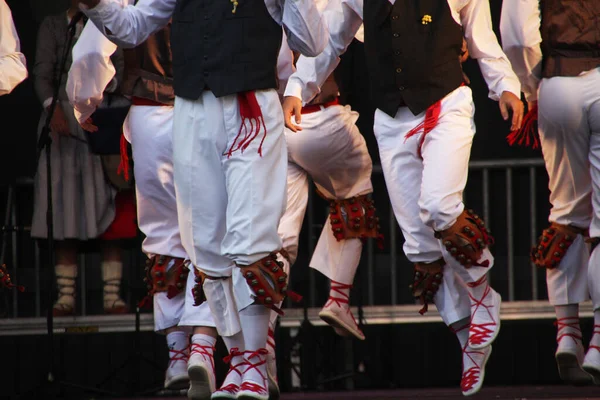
[(58, 123), (89, 126), (510, 103), (292, 106)]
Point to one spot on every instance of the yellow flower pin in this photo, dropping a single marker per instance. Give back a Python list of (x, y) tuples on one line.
[(235, 4), (426, 19)]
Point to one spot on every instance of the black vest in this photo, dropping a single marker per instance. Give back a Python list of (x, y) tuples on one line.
[(149, 69), (570, 36), (227, 53), (411, 63)]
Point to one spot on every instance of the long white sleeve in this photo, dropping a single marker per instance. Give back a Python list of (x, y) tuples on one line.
[(91, 71), (13, 67), (304, 27), (476, 20), (343, 19), (128, 26), (521, 40)]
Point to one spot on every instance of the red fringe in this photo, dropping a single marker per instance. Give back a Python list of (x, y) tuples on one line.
[(432, 116), (527, 135), (124, 165), (249, 111)]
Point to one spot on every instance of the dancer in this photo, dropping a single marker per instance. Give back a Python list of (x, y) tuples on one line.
[(553, 46), (148, 127), (229, 154), (424, 128)]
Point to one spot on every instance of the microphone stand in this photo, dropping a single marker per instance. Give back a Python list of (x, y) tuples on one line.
[(45, 143)]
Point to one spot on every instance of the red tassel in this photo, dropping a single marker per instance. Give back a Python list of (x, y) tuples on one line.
[(432, 116), (124, 165), (249, 112), (527, 135), (295, 297), (145, 302)]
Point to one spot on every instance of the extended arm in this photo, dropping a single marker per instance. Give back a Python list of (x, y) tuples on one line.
[(13, 68), (521, 40), (131, 25), (90, 73)]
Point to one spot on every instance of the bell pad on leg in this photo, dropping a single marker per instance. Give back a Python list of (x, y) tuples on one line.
[(160, 278), (466, 239), (268, 280), (354, 218), (198, 289), (553, 245), (427, 279)]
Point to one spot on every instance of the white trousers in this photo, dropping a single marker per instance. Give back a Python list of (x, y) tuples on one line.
[(426, 193), (332, 151), (228, 207), (569, 126), (149, 129)]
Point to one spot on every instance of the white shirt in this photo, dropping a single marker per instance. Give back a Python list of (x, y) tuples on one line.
[(521, 40), (131, 25), (91, 72), (13, 67), (344, 18)]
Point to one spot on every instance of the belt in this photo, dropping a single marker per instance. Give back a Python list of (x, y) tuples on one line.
[(140, 101), (312, 108)]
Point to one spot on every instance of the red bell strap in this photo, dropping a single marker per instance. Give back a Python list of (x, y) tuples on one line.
[(251, 114), (528, 134)]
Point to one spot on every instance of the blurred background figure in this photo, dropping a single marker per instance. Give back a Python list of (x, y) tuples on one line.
[(83, 198)]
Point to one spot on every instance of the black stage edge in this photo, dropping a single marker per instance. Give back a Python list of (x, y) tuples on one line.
[(415, 356)]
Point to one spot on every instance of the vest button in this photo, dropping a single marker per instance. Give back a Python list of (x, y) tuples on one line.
[(395, 17), (397, 52), (400, 88), (396, 34), (398, 70)]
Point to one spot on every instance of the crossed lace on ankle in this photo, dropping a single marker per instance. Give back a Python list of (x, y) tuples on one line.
[(338, 287), (596, 332), (206, 351), (262, 359), (481, 331), (232, 387), (271, 339), (562, 323), (177, 355)]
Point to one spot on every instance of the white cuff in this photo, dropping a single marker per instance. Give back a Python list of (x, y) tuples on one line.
[(294, 89)]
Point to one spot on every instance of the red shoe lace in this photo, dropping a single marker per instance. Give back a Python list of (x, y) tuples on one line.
[(206, 351), (251, 386), (470, 376), (232, 388), (271, 339), (338, 287), (177, 355), (574, 324), (596, 332), (479, 333)]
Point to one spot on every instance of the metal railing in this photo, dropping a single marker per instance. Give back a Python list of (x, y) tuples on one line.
[(501, 190)]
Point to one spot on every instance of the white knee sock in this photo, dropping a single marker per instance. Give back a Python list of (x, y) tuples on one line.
[(461, 329), (178, 344), (235, 344), (255, 325)]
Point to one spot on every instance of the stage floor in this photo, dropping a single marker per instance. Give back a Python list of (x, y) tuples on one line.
[(490, 393)]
